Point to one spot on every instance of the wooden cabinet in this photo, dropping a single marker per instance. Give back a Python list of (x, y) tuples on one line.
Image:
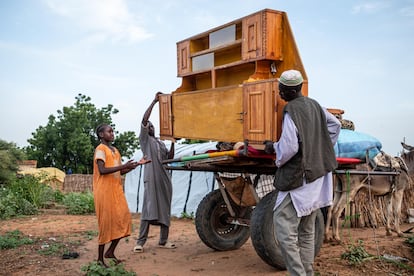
[(229, 88)]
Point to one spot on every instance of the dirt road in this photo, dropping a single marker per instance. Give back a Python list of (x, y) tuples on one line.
[(191, 257)]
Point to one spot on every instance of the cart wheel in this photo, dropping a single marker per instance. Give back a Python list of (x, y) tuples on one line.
[(262, 234), (212, 226)]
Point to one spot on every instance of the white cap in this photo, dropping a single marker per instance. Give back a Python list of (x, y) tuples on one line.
[(291, 78)]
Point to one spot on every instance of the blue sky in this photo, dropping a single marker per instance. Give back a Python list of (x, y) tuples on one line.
[(358, 56)]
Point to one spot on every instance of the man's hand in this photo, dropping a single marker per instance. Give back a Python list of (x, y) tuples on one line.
[(269, 149), (157, 96), (144, 160)]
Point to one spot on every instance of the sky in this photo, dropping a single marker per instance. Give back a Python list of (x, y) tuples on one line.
[(358, 56)]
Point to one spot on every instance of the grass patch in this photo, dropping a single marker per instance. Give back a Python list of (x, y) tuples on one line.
[(410, 242), (94, 268), (13, 239), (185, 215), (356, 254), (90, 234)]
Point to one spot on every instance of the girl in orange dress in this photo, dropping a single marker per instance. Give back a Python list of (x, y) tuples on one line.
[(114, 217)]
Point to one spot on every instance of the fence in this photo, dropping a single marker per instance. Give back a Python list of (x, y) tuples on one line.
[(78, 183)]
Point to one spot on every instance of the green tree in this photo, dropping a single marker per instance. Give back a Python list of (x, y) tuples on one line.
[(69, 140), (10, 154)]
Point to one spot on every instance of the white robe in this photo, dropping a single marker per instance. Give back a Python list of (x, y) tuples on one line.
[(157, 180), (310, 196)]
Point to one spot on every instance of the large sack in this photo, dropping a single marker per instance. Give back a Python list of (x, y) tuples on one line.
[(354, 144)]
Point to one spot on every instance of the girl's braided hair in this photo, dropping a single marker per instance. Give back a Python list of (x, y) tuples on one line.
[(100, 129)]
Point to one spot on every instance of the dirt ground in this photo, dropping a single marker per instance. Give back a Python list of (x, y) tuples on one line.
[(191, 257)]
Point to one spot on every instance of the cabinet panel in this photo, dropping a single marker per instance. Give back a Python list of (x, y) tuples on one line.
[(166, 127), (183, 58), (252, 37), (274, 36), (260, 113), (212, 114)]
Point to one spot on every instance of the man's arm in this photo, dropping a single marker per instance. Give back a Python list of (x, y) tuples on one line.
[(172, 151), (147, 113), (334, 126), (288, 144)]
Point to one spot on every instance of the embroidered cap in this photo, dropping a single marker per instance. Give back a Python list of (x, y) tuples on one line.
[(291, 78)]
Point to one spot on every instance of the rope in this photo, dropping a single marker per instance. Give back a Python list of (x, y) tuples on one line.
[(188, 191), (347, 200), (371, 206)]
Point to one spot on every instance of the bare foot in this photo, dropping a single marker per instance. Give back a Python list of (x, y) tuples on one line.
[(102, 263), (113, 258)]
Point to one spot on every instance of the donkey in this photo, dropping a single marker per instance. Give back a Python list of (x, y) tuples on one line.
[(408, 157), (348, 185)]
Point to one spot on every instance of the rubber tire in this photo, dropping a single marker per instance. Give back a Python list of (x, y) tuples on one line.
[(262, 234), (212, 228)]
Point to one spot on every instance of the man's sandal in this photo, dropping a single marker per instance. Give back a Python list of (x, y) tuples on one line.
[(138, 249), (167, 245)]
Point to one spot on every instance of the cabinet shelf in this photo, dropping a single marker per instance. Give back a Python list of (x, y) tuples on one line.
[(215, 68), (225, 47)]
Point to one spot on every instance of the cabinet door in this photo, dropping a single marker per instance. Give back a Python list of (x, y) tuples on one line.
[(260, 111), (166, 129), (183, 58), (211, 114), (252, 46)]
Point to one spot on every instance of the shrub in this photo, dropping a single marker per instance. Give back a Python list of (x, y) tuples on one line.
[(79, 203), (32, 189), (12, 205), (58, 196), (24, 196)]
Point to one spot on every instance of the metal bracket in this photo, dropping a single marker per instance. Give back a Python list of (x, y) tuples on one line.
[(224, 195)]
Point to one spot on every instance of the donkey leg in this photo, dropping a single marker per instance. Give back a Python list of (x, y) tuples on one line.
[(390, 207), (328, 235), (335, 227), (330, 218), (336, 213), (398, 197)]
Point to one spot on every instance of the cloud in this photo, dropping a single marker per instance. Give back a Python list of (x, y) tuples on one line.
[(369, 7), (108, 19)]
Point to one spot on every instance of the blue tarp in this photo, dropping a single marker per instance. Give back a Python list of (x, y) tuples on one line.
[(354, 144)]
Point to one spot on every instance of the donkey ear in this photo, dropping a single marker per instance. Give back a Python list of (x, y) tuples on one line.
[(407, 147)]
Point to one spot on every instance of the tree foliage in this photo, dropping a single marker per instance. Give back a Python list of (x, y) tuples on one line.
[(69, 140), (10, 154)]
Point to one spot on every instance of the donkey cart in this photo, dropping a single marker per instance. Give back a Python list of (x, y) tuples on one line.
[(242, 206)]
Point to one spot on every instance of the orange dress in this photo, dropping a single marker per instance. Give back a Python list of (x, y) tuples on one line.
[(111, 207)]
